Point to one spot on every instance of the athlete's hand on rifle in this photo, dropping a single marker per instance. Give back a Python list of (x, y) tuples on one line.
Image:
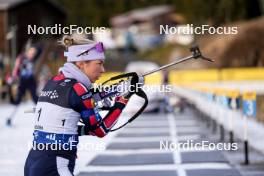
[(129, 87)]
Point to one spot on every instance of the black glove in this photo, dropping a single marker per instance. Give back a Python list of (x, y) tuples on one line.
[(136, 83)]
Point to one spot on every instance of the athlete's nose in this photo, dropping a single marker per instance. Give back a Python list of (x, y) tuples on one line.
[(102, 69)]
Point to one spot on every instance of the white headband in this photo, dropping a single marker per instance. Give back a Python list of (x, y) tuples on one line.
[(78, 52)]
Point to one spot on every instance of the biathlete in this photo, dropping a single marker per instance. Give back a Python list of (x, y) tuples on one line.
[(65, 100)]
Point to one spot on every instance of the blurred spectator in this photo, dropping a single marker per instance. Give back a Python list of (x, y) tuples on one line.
[(24, 72)]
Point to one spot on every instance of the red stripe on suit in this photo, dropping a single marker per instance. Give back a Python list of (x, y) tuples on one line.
[(59, 77), (100, 132), (111, 119), (79, 89), (88, 103), (93, 120)]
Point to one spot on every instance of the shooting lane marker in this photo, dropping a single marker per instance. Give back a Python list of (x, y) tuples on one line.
[(249, 110)]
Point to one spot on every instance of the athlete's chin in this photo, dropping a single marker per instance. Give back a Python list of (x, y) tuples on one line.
[(98, 77), (95, 79)]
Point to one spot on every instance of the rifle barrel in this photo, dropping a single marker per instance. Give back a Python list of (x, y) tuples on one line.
[(168, 65)]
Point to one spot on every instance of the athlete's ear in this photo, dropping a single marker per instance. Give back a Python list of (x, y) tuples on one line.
[(79, 64)]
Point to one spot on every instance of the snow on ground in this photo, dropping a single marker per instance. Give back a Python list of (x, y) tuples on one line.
[(15, 140)]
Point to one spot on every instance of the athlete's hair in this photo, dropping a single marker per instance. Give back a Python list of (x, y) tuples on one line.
[(68, 41)]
